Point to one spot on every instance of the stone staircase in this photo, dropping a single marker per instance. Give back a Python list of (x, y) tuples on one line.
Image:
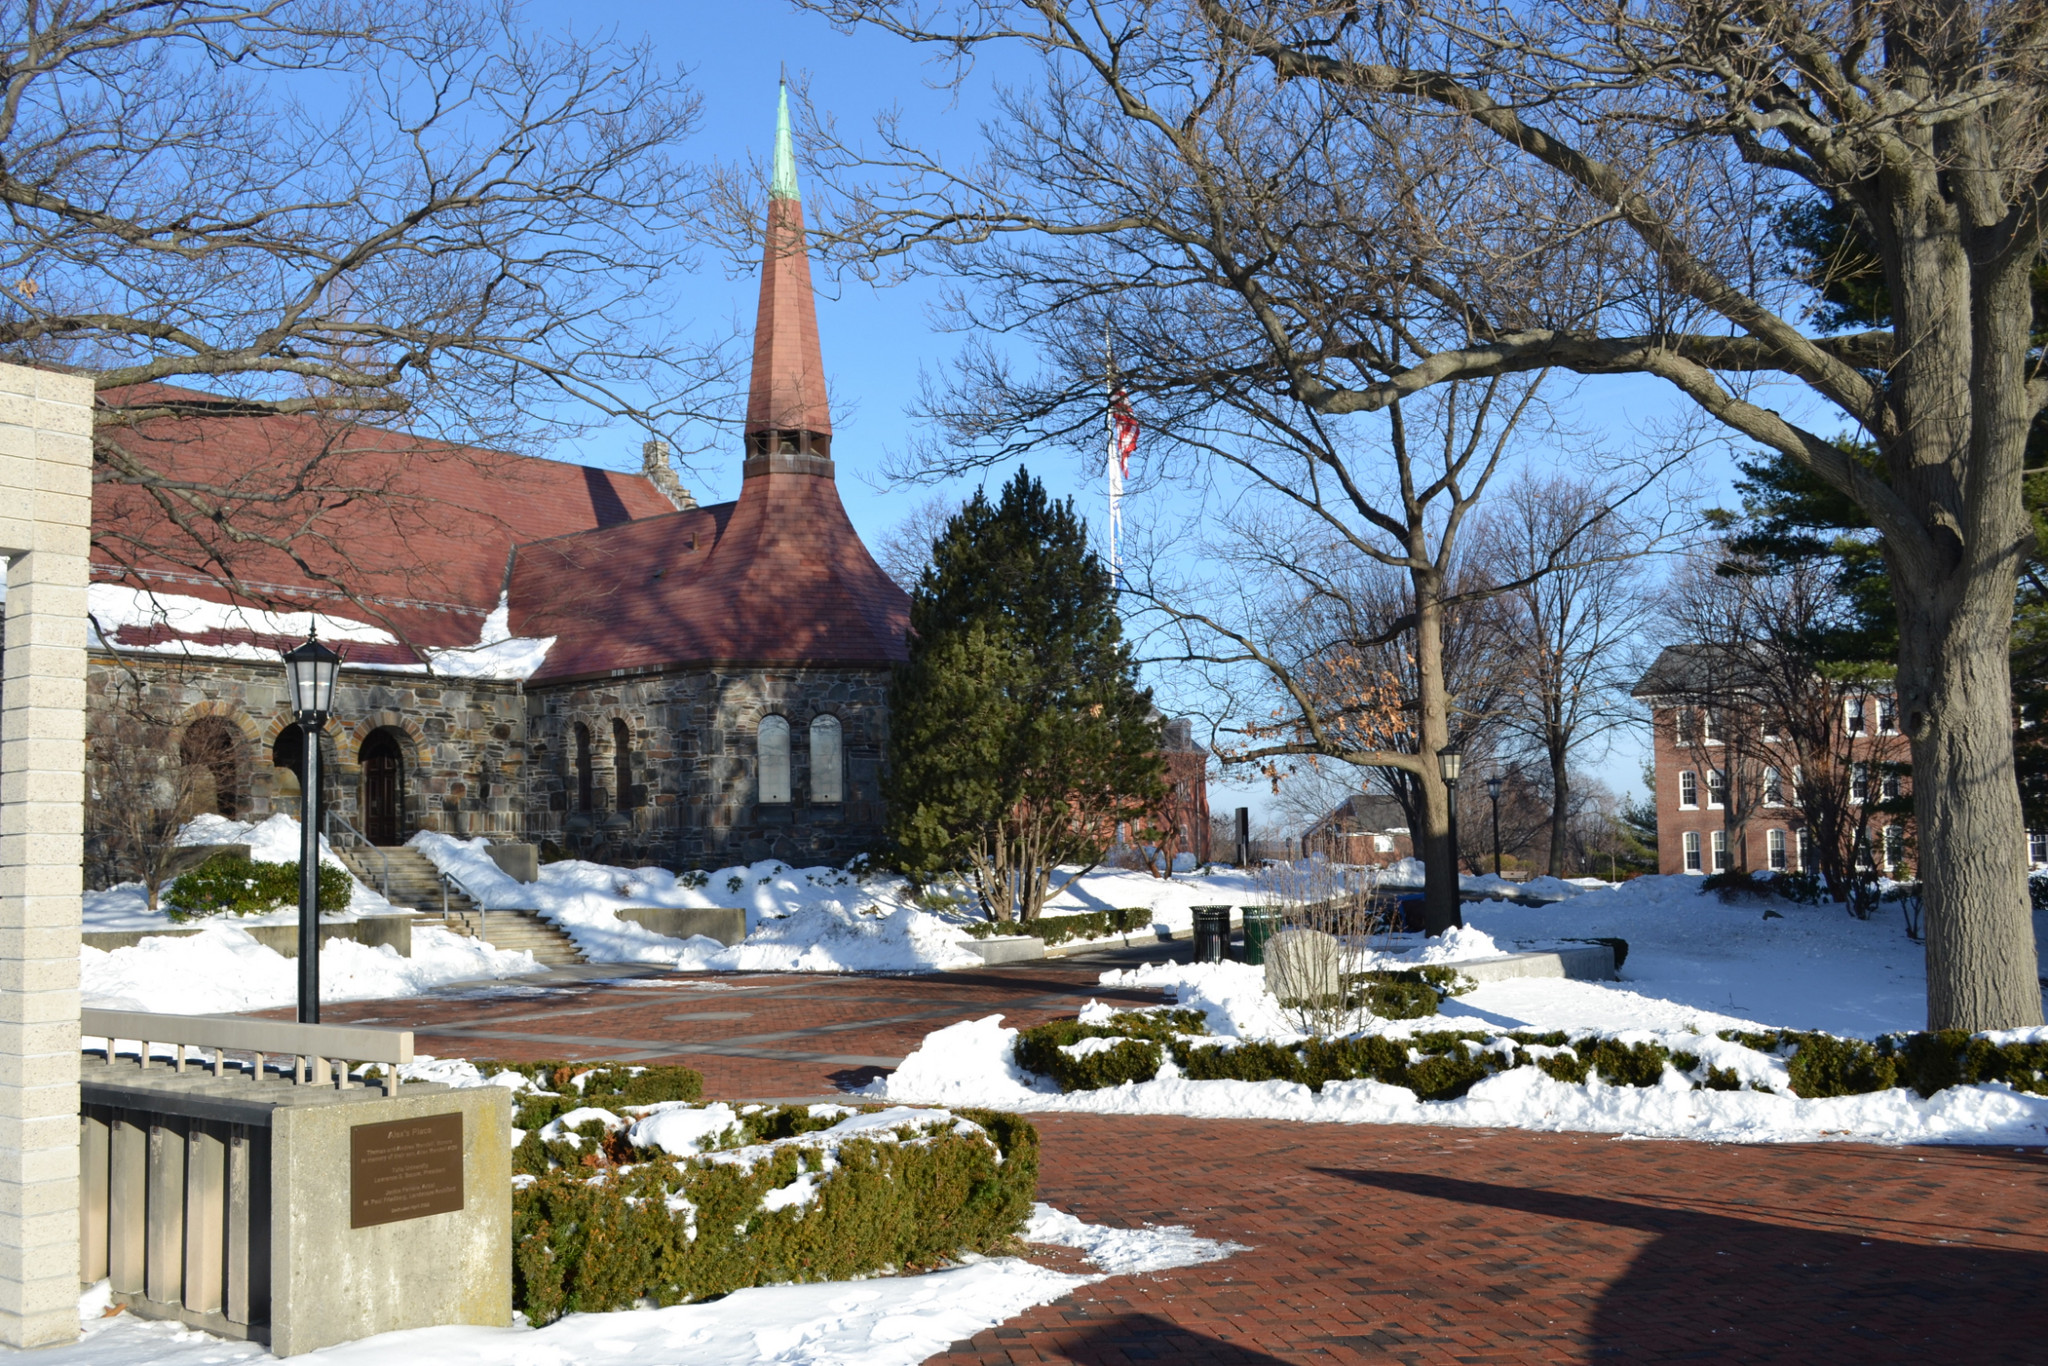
[(416, 883)]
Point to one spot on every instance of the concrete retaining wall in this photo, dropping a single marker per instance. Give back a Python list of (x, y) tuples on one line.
[(1580, 963), (1011, 950), (726, 924)]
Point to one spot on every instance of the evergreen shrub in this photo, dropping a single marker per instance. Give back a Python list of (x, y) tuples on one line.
[(1929, 1062), (229, 884), (1059, 929), (602, 1225)]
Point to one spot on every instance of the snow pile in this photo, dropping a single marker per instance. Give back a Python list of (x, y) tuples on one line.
[(798, 919), (1126, 1251), (223, 970)]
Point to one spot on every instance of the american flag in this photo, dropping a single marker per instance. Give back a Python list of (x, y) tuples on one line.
[(1123, 441)]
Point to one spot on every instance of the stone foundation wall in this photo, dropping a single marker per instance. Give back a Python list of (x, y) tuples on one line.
[(692, 774)]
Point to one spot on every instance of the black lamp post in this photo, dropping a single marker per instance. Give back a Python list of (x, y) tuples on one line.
[(1448, 764), (310, 669), (1493, 795)]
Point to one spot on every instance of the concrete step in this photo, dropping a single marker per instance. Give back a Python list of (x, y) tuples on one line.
[(414, 882), (512, 930)]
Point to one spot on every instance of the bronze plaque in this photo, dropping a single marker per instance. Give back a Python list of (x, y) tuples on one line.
[(404, 1169)]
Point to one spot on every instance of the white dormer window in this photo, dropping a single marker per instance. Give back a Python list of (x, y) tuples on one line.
[(773, 753)]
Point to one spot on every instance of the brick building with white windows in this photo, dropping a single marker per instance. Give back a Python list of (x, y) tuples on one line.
[(1694, 758)]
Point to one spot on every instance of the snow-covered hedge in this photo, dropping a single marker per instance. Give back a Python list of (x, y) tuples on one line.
[(628, 1191), (1443, 1065)]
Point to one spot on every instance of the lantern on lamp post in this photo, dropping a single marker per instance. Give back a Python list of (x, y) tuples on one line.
[(310, 670), (1493, 795), (1448, 764)]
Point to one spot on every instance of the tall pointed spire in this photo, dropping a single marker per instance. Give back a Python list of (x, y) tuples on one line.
[(789, 424)]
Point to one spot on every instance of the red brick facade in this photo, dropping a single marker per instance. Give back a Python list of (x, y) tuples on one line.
[(1693, 833)]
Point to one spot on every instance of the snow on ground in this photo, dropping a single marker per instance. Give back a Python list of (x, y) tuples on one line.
[(880, 1321), (223, 970), (1694, 966)]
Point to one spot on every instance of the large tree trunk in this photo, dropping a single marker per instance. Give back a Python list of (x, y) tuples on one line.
[(1960, 385), (1440, 902), (1560, 804), (1982, 972)]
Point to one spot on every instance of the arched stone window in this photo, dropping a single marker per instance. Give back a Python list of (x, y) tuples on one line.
[(622, 766), (211, 751), (773, 749), (827, 783), (585, 797)]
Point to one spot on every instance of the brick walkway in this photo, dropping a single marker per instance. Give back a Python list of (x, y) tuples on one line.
[(1379, 1243)]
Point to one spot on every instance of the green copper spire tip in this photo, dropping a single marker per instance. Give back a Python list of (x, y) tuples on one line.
[(784, 185)]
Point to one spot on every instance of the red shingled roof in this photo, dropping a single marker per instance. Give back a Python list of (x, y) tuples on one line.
[(421, 528), (786, 391), (779, 577)]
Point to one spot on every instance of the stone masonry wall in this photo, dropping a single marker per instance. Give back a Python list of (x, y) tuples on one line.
[(462, 740), (691, 799)]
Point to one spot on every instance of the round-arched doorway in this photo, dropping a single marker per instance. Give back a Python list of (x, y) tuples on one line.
[(383, 765)]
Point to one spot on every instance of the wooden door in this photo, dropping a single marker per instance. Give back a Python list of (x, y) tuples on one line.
[(383, 789)]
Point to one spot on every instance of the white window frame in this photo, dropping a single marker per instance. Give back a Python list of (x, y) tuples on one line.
[(1720, 847), (1893, 842), (1691, 844), (1774, 843), (1859, 782), (1888, 784), (1688, 781), (2037, 847), (1774, 788), (771, 754), (1887, 716), (1854, 716), (1707, 735), (1715, 803), (1802, 850), (1383, 844)]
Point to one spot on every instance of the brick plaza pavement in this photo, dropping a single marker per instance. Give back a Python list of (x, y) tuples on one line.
[(1369, 1242)]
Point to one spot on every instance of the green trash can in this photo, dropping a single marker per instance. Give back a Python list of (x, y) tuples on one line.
[(1261, 923)]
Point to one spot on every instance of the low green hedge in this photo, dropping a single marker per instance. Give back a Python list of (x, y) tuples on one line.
[(232, 885), (1826, 1065), (601, 1226), (1445, 1064), (1058, 929)]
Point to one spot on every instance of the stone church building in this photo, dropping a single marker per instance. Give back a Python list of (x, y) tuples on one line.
[(533, 650)]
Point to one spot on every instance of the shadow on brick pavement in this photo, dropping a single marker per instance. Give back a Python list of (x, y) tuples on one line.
[(1719, 1286)]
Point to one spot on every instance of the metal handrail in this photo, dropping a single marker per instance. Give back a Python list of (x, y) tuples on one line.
[(331, 818), (311, 1046), (483, 910)]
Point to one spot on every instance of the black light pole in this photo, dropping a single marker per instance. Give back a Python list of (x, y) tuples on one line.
[(1493, 793), (310, 669), (1448, 763)]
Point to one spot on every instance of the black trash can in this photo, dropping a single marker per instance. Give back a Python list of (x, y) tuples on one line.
[(1212, 933), (1261, 923)]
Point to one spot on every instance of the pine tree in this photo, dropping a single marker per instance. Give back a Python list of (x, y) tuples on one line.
[(1018, 734)]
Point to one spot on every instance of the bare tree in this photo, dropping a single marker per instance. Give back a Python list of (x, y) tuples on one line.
[(1574, 625), (144, 782), (906, 549), (417, 214), (1621, 170)]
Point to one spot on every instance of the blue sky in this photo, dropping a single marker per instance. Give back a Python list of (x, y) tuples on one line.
[(877, 341)]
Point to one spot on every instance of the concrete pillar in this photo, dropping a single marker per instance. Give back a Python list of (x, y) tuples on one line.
[(45, 529)]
